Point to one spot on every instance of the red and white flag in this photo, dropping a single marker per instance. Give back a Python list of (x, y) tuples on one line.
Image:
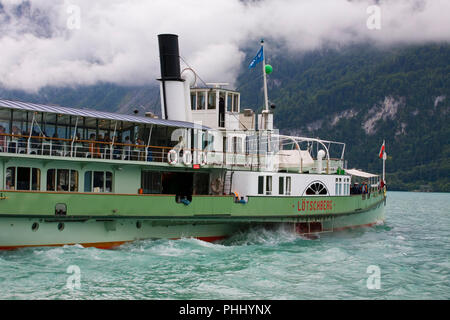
[(381, 151)]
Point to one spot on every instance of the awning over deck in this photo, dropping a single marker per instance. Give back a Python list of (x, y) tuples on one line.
[(17, 105), (359, 173)]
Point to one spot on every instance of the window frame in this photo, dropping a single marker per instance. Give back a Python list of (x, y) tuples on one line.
[(57, 174), (91, 188), (31, 178)]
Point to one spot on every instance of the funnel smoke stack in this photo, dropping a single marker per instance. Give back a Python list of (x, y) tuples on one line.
[(175, 92), (169, 56)]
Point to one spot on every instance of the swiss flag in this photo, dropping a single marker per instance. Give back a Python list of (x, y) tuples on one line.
[(381, 151)]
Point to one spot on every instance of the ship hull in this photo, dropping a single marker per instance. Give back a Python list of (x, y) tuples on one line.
[(208, 218), (18, 232)]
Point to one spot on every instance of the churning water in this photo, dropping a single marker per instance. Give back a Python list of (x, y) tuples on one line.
[(406, 258)]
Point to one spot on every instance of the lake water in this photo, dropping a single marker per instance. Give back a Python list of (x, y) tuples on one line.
[(406, 258)]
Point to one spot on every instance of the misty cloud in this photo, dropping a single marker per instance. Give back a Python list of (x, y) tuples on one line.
[(117, 40)]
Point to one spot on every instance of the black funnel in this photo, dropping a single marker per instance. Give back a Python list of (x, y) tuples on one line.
[(169, 57)]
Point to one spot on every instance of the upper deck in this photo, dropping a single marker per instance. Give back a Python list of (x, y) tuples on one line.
[(36, 130)]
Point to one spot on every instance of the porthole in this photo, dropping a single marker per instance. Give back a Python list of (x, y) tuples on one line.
[(138, 224), (60, 226), (35, 226)]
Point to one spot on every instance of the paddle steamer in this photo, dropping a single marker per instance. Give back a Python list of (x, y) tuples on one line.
[(205, 169)]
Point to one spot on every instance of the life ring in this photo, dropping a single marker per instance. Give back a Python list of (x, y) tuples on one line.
[(216, 185), (187, 158), (172, 153)]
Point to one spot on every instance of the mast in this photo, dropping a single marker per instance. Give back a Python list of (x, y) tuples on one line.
[(266, 99)]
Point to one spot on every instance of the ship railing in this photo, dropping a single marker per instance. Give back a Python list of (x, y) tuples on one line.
[(50, 146), (74, 148)]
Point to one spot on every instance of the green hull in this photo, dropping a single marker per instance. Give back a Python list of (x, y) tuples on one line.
[(107, 220)]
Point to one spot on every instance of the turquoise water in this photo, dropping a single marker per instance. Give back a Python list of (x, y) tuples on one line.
[(411, 251)]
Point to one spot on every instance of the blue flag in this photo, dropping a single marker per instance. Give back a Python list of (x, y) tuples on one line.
[(258, 58)]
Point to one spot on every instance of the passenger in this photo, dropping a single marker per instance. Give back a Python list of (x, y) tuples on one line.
[(16, 131), (100, 146), (78, 148), (93, 147), (179, 147), (23, 142), (77, 138), (117, 148), (107, 146), (13, 145), (35, 141), (140, 149), (126, 148), (365, 189)]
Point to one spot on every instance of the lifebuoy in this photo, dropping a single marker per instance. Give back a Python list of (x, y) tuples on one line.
[(172, 153), (187, 158)]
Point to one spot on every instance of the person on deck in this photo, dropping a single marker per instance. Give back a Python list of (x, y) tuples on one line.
[(93, 147), (127, 148)]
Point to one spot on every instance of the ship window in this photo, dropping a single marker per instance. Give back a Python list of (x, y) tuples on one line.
[(229, 105), (88, 181), (237, 145), (288, 185), (260, 185), (62, 180), (316, 188), (151, 182), (98, 181), (201, 100), (108, 182), (281, 185), (193, 100), (211, 100), (23, 178), (35, 179), (235, 103), (73, 180), (10, 182), (268, 184)]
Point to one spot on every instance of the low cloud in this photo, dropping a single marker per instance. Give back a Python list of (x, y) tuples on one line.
[(43, 43)]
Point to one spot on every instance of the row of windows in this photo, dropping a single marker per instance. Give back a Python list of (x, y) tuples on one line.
[(342, 186), (284, 185), (202, 100), (26, 178)]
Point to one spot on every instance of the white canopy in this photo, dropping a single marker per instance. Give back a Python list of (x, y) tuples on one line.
[(293, 159), (359, 173)]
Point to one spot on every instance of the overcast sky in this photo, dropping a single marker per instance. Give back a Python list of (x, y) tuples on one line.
[(82, 42)]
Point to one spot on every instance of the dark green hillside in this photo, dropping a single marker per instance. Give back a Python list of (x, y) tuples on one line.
[(407, 88)]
